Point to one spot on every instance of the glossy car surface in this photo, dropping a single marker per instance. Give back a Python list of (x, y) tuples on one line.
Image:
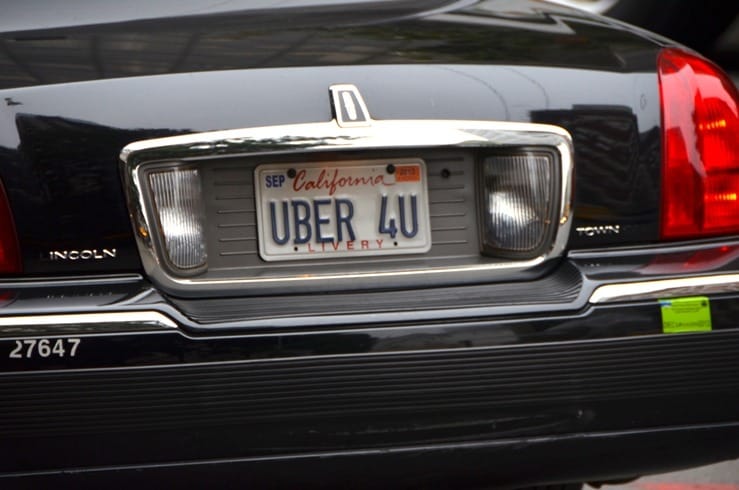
[(454, 367)]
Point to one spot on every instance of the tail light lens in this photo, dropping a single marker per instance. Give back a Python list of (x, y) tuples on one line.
[(700, 147), (10, 258), (179, 208), (519, 196)]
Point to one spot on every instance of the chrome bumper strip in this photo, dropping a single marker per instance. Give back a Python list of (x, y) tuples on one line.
[(85, 322), (111, 322), (665, 288)]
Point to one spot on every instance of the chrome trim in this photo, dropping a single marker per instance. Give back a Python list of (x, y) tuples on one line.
[(346, 98), (34, 282), (124, 321), (66, 281), (327, 136), (665, 288), (593, 6), (648, 250)]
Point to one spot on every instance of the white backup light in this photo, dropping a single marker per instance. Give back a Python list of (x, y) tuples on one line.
[(179, 209), (518, 203)]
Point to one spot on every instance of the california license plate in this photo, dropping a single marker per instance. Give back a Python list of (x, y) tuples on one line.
[(321, 210)]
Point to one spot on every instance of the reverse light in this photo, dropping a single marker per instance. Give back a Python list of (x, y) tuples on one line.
[(179, 208), (518, 203), (700, 147)]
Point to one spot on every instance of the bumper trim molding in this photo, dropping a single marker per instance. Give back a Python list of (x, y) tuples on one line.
[(655, 289), (85, 322)]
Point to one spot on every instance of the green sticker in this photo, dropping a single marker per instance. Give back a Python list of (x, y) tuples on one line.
[(681, 315)]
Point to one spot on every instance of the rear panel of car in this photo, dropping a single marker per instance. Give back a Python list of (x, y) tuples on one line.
[(355, 370), (63, 140)]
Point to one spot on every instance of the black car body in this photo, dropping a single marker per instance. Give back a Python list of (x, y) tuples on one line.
[(603, 348)]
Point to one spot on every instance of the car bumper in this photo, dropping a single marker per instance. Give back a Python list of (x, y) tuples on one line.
[(571, 392)]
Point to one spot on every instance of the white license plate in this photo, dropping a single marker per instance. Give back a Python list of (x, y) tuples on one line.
[(342, 209)]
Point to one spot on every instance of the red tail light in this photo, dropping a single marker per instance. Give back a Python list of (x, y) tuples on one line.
[(700, 147), (10, 259)]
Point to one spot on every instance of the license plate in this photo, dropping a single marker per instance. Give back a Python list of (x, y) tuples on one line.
[(342, 209)]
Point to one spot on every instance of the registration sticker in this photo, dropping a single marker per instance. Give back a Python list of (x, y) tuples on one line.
[(680, 315), (320, 210)]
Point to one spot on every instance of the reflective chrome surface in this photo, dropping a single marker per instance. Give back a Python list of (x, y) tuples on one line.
[(349, 107), (307, 138), (595, 6), (125, 321), (666, 288)]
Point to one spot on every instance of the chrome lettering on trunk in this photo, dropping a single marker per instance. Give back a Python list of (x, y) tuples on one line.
[(86, 254), (591, 231)]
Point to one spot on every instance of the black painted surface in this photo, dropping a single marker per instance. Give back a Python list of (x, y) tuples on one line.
[(511, 463), (358, 403), (75, 95), (332, 34)]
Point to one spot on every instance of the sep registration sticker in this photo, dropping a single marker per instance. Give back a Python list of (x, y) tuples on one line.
[(681, 315)]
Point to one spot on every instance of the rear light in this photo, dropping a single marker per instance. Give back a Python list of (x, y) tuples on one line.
[(700, 147), (10, 258), (179, 209), (519, 196)]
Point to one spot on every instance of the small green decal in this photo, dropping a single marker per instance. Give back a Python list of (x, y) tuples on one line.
[(681, 315)]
